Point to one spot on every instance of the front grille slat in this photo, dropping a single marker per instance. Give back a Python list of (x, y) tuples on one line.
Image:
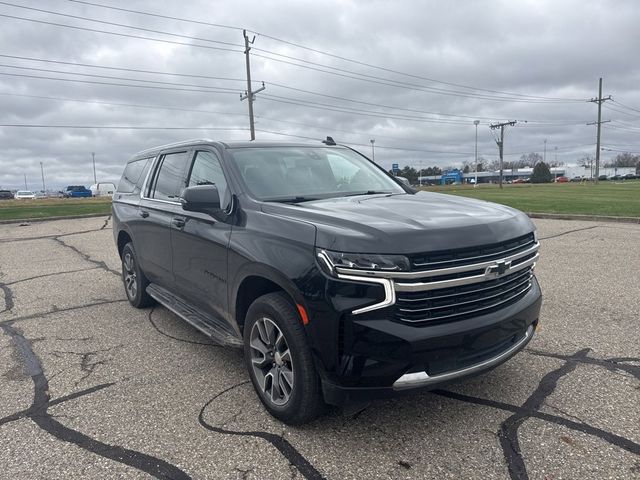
[(470, 288), (458, 303)]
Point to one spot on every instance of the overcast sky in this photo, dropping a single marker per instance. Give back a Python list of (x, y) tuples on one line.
[(441, 65)]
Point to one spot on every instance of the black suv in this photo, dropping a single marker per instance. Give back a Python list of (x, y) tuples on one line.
[(6, 195), (340, 283)]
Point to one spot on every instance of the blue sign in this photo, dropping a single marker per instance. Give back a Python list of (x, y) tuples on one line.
[(394, 166)]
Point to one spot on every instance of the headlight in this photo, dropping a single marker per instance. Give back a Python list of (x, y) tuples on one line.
[(329, 260), (535, 236)]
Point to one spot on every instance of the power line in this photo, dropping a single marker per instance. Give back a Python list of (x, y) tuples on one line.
[(401, 85), (155, 72), (124, 69), (104, 22), (323, 52), (167, 17), (128, 79), (626, 106), (173, 42), (91, 82), (118, 104), (117, 127), (359, 76)]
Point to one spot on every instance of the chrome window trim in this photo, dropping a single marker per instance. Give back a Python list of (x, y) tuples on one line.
[(441, 271), (420, 379)]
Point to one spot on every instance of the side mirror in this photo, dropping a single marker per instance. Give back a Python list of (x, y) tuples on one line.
[(201, 198)]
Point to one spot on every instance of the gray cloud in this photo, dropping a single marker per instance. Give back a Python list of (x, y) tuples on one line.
[(542, 48)]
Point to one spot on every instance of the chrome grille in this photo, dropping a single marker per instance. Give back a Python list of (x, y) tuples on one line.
[(465, 256), (464, 283)]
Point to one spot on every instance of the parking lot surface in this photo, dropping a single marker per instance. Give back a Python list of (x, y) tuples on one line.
[(93, 388)]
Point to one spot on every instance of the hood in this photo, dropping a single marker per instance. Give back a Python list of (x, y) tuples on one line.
[(405, 223)]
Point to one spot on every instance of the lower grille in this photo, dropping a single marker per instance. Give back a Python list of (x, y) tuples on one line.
[(457, 303)]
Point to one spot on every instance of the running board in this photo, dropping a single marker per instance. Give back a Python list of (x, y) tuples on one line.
[(217, 330)]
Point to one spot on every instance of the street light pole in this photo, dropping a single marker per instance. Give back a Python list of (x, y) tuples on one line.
[(476, 122), (42, 172), (373, 150), (93, 157)]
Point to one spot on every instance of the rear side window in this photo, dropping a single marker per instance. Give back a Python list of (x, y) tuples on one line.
[(133, 177), (170, 179), (207, 170)]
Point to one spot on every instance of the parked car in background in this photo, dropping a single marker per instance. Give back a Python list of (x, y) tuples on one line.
[(577, 178), (41, 194), (562, 179), (630, 176), (25, 194), (603, 177), (6, 195), (102, 189), (518, 180), (76, 191)]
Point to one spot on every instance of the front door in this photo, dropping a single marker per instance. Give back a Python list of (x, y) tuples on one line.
[(200, 243)]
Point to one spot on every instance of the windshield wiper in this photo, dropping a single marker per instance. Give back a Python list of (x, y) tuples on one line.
[(296, 199), (368, 192)]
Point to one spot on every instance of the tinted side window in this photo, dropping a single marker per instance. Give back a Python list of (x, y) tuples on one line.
[(170, 178), (207, 170), (131, 176)]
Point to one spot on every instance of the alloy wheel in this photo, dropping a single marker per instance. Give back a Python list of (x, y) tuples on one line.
[(271, 361), (129, 275)]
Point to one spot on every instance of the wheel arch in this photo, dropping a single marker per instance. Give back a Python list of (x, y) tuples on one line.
[(257, 280)]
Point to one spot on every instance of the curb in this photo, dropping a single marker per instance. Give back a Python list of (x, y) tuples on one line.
[(585, 218), (48, 219)]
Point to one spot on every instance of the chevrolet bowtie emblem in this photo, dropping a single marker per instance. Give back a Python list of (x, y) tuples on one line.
[(500, 268)]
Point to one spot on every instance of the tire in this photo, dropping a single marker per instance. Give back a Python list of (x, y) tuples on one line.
[(133, 278), (282, 371)]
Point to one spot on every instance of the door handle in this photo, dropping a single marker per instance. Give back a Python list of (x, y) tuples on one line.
[(178, 222), (143, 214)]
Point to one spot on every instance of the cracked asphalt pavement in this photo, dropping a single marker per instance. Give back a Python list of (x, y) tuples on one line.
[(93, 388)]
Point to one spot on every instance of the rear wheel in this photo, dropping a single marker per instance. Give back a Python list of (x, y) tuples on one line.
[(279, 360), (134, 280)]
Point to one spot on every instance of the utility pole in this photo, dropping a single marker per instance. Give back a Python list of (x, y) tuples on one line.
[(476, 122), (501, 141), (25, 182), (93, 159), (42, 171), (544, 156), (373, 150), (599, 101), (249, 94)]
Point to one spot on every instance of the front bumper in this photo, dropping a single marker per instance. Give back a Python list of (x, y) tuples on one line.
[(380, 357)]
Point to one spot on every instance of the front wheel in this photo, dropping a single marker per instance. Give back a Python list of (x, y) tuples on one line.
[(279, 360)]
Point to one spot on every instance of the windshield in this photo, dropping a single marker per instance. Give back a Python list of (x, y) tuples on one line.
[(308, 173)]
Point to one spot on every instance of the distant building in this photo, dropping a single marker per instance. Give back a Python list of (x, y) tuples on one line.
[(456, 176)]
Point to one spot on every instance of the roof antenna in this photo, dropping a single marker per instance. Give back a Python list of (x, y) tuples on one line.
[(329, 141)]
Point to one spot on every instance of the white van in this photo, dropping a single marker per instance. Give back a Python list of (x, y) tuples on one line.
[(102, 189)]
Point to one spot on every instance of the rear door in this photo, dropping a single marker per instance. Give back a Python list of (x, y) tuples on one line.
[(200, 242), (158, 206)]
